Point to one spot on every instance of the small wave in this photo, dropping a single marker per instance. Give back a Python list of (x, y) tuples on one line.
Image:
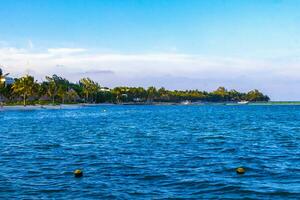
[(46, 146), (154, 177)]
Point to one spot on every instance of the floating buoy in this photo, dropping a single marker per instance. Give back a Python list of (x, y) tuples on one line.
[(240, 170), (78, 173)]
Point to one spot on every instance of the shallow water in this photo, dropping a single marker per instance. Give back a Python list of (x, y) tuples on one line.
[(146, 152)]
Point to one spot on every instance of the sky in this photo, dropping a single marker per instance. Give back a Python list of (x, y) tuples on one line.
[(175, 44)]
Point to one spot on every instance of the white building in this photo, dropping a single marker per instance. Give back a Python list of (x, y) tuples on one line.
[(104, 89)]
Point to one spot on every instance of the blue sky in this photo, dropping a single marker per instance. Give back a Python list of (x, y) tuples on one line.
[(175, 44)]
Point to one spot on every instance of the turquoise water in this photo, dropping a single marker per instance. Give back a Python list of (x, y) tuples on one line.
[(151, 152)]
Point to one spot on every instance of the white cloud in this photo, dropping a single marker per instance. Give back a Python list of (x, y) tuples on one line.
[(62, 51), (197, 70), (30, 44)]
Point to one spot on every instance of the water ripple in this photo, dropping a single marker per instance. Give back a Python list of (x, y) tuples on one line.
[(151, 152)]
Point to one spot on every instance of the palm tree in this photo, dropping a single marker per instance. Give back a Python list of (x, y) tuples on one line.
[(57, 86), (117, 91), (89, 88), (72, 95), (152, 93), (51, 88), (63, 87), (25, 86)]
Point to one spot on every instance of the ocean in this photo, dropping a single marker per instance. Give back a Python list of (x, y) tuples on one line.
[(151, 152)]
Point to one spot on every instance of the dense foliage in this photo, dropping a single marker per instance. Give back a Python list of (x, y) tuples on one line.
[(59, 90)]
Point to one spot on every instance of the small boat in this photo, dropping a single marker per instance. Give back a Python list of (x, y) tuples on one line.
[(243, 102), (187, 102)]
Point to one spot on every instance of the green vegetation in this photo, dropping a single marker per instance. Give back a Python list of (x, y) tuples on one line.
[(56, 90), (25, 87)]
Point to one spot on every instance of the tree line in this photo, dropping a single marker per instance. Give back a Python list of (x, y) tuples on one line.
[(57, 90)]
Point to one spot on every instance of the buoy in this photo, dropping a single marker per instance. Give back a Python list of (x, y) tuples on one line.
[(78, 173), (240, 170)]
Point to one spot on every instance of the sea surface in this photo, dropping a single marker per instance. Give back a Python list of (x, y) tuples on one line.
[(151, 152)]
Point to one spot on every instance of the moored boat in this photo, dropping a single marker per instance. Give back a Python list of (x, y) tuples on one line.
[(186, 102), (243, 102)]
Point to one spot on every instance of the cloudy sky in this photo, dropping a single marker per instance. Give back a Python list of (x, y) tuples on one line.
[(175, 44)]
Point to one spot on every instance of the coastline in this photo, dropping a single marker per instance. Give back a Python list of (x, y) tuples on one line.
[(81, 105), (49, 106)]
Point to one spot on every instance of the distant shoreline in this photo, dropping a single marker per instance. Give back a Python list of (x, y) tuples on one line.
[(76, 106)]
